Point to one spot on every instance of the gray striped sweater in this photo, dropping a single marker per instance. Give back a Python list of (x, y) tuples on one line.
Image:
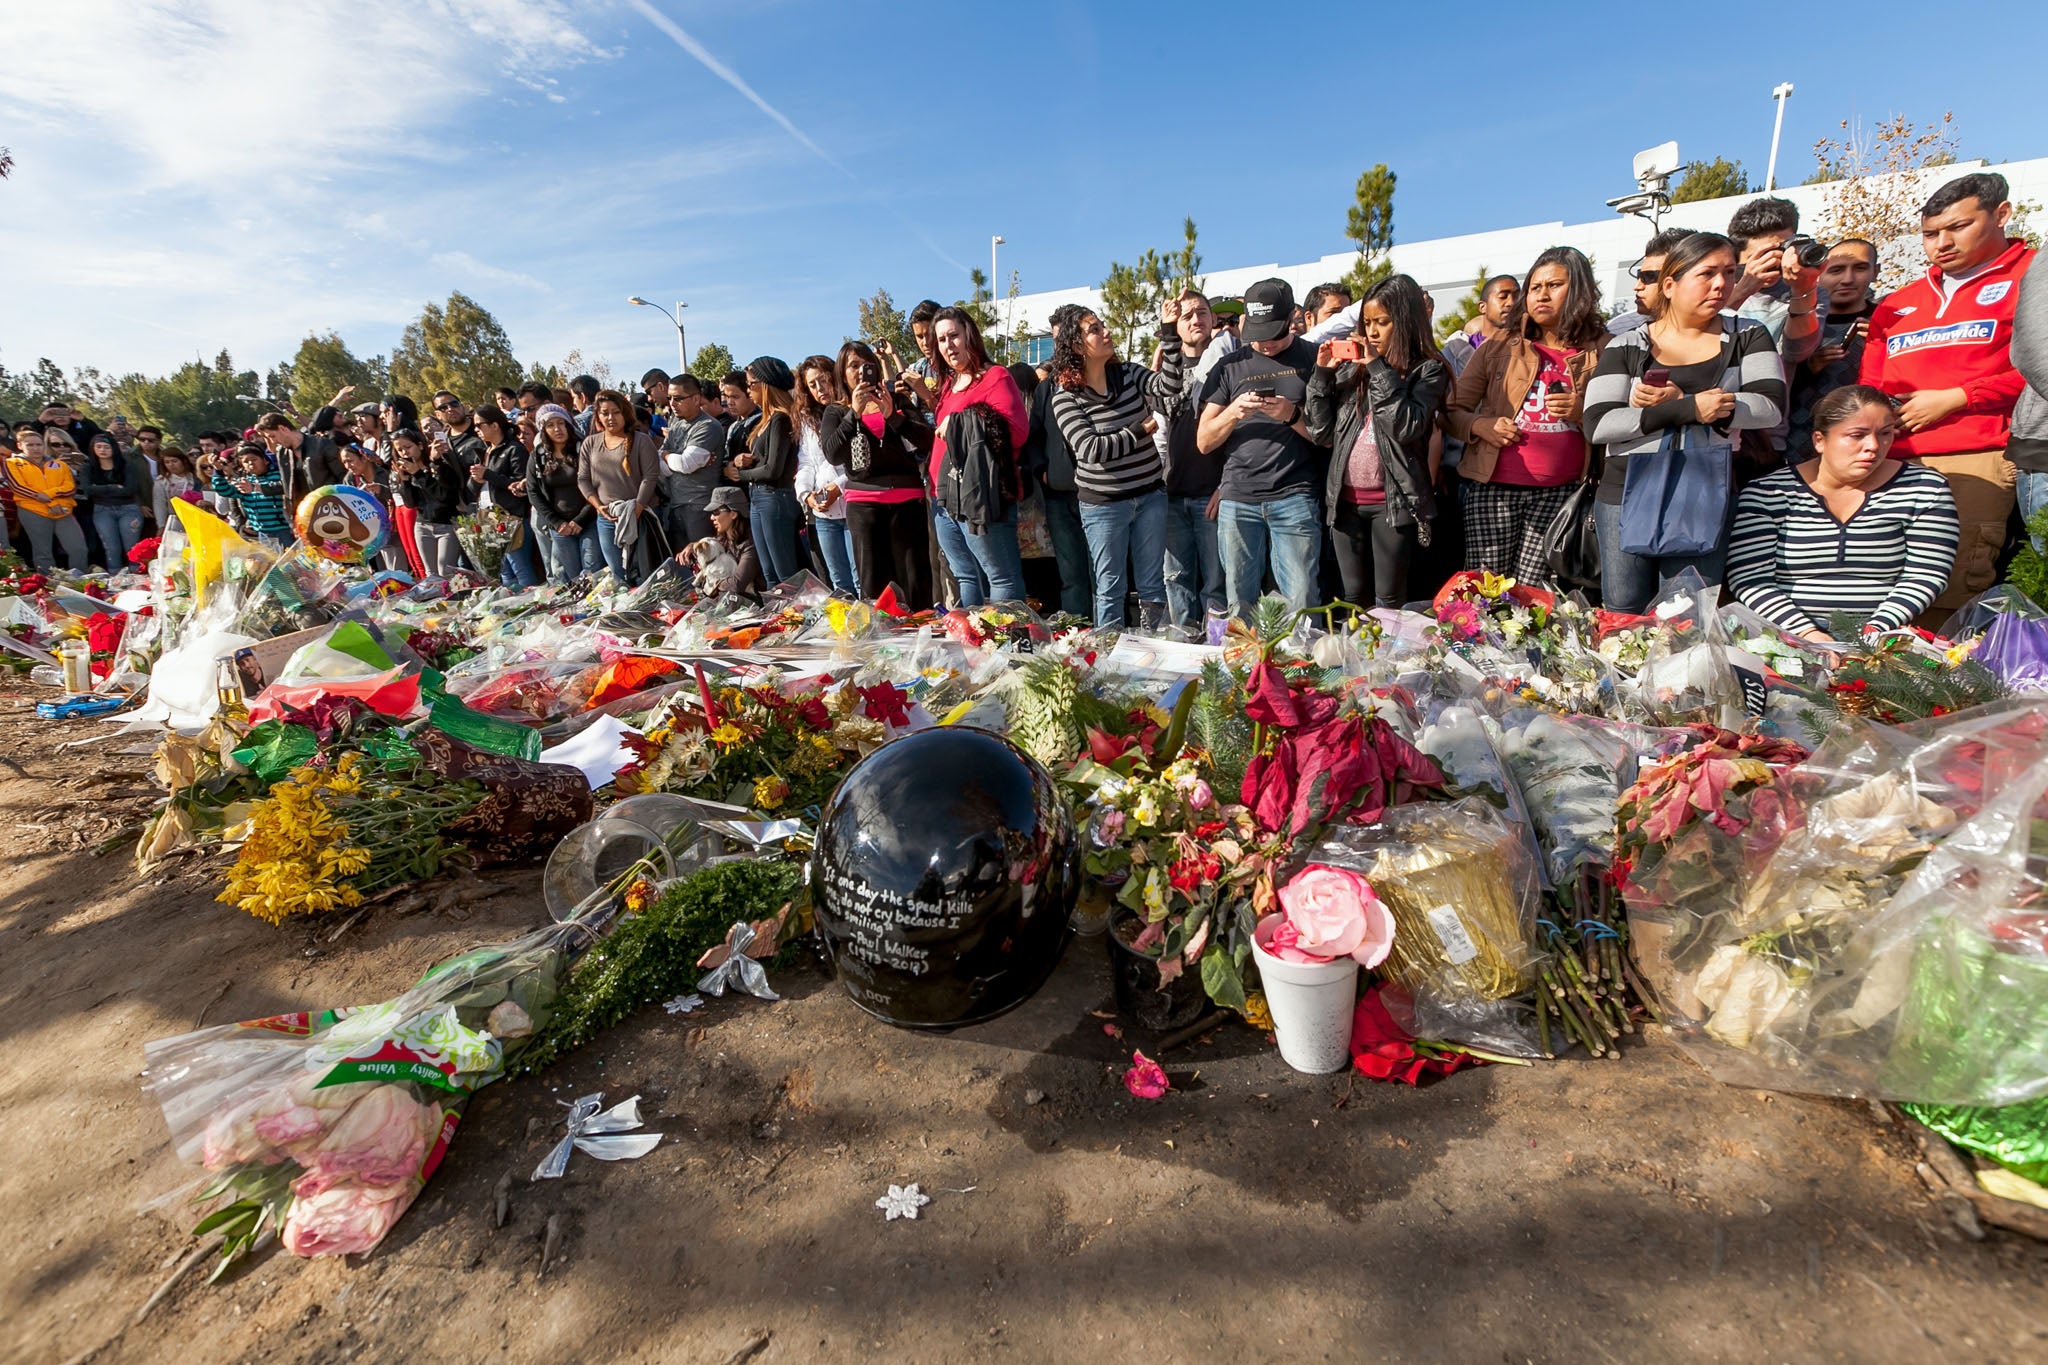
[(1794, 564), (1753, 374), (1113, 458)]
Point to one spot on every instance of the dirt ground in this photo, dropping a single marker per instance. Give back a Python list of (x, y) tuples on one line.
[(1592, 1211)]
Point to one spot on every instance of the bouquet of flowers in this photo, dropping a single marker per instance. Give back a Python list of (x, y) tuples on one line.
[(321, 1128), (1189, 870), (487, 535), (760, 747), (344, 828), (1733, 784)]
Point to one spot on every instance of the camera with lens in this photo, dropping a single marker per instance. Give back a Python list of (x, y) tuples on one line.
[(1812, 254)]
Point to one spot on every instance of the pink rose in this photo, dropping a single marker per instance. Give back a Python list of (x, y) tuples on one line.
[(344, 1219), (1197, 793), (298, 1113), (1332, 912), (381, 1140)]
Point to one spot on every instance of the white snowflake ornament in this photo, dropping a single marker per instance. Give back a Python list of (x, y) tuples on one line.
[(902, 1201), (684, 1004)]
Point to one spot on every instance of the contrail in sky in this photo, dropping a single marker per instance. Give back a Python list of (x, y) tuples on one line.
[(732, 78)]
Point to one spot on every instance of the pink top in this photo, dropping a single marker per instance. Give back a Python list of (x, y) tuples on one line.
[(1547, 452), (1364, 481), (999, 391)]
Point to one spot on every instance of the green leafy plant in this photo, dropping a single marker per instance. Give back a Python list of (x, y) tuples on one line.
[(654, 953)]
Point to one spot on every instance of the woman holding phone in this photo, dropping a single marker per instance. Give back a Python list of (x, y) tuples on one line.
[(1375, 404), (1695, 376), (1520, 409)]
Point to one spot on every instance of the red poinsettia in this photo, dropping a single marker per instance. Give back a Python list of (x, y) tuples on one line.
[(885, 702), (1322, 765)]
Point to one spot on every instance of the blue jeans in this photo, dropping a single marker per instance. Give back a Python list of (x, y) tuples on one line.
[(569, 557), (986, 567), (1070, 552), (1287, 527), (1133, 531), (517, 570), (608, 546), (1631, 582), (2033, 495), (837, 547), (119, 528), (1194, 569), (772, 514)]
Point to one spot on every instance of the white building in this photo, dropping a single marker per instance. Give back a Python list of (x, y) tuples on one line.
[(1448, 266)]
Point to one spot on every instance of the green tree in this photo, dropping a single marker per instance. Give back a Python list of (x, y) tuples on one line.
[(323, 365), (1183, 267), (23, 395), (1716, 179), (1124, 296), (193, 398), (1370, 223), (882, 320), (459, 347), (714, 362), (550, 375), (1451, 323), (980, 305)]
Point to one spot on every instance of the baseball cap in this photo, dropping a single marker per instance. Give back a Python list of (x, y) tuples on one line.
[(364, 410), (1268, 311), (727, 499)]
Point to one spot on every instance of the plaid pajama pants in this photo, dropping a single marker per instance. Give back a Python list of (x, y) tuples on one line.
[(1505, 525)]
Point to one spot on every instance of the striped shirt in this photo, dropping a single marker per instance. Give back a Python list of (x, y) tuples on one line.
[(264, 507), (1793, 563), (1113, 458), (1752, 372)]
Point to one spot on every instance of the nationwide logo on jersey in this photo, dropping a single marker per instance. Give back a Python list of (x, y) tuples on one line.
[(1956, 334), (1992, 293)]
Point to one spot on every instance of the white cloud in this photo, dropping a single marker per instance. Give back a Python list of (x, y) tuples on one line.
[(203, 167)]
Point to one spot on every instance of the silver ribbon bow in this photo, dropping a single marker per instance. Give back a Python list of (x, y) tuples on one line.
[(587, 1129), (738, 970)]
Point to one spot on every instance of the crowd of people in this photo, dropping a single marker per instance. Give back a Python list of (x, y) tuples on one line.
[(1832, 458)]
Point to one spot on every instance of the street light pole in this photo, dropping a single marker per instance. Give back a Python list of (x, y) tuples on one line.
[(675, 318), (993, 243), (1780, 93)]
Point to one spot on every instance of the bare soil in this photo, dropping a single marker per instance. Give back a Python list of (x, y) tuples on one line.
[(1582, 1211)]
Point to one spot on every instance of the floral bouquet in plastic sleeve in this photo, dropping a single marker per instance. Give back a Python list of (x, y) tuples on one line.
[(321, 1128)]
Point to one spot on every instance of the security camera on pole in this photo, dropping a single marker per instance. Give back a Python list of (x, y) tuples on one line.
[(1654, 167)]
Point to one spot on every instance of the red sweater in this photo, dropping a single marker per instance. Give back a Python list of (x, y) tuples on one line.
[(1919, 341), (999, 391)]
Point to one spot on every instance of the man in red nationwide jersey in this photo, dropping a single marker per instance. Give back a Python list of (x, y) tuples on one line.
[(1942, 347)]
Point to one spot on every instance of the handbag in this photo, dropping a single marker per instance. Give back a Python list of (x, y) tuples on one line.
[(1675, 500), (1571, 543)]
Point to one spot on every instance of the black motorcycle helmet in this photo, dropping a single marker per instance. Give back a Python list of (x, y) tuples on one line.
[(945, 871)]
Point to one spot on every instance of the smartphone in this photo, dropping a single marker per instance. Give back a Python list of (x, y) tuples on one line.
[(1656, 378), (1347, 348), (870, 372), (1264, 391)]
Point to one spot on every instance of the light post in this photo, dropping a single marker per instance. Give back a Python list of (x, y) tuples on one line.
[(682, 342), (1780, 93), (993, 243)]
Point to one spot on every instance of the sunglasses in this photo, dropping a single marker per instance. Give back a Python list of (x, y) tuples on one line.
[(447, 406), (1646, 276)]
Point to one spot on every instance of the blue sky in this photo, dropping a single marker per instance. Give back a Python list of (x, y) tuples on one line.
[(193, 174)]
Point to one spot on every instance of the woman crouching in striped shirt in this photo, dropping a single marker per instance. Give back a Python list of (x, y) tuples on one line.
[(1851, 534)]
